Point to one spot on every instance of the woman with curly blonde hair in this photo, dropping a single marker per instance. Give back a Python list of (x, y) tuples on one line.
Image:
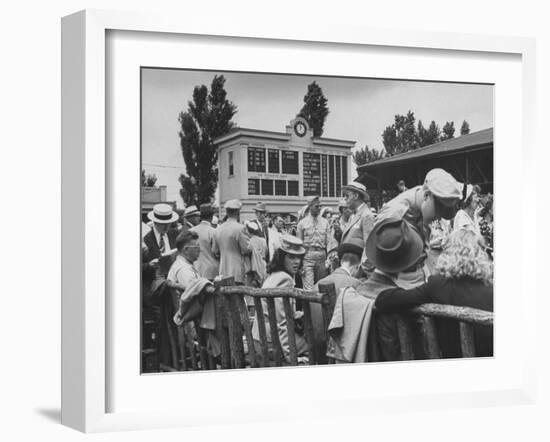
[(464, 277)]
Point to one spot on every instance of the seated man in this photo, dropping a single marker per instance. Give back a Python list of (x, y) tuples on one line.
[(349, 254), (189, 289)]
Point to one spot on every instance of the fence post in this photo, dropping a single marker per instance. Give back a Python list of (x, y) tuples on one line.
[(221, 323), (329, 293)]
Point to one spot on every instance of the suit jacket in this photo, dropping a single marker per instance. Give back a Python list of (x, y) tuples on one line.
[(233, 241), (148, 273), (359, 226), (464, 292), (384, 337), (341, 279), (208, 263)]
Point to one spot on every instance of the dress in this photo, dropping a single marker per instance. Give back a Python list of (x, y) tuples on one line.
[(463, 221)]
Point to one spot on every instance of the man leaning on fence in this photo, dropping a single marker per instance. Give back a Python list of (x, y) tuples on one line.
[(314, 231)]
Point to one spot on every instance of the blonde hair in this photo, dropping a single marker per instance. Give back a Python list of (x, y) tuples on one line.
[(464, 255)]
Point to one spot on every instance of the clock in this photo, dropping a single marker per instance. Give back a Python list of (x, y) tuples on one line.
[(300, 128)]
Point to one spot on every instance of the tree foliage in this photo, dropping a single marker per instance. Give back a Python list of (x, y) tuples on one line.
[(208, 116), (315, 108), (401, 136), (148, 179), (366, 155), (465, 128), (448, 131)]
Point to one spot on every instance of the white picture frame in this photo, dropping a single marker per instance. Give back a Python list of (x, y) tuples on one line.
[(86, 355)]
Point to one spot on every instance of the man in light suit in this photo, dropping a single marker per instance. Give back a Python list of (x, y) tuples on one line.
[(361, 222), (233, 243), (208, 263), (261, 220), (344, 276)]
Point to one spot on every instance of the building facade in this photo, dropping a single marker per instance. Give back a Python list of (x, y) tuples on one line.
[(281, 169)]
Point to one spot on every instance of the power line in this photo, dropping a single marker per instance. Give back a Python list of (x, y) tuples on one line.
[(162, 166)]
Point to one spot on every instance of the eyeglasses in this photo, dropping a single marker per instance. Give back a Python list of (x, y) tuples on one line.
[(195, 246)]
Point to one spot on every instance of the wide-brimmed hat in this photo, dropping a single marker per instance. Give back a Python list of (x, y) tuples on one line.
[(352, 245), (206, 209), (360, 188), (260, 207), (162, 214), (191, 211), (394, 246), (252, 226), (292, 245)]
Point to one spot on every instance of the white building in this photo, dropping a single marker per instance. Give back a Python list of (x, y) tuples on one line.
[(281, 169)]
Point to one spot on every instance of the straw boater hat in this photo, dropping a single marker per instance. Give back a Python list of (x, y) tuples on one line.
[(162, 214), (252, 226), (191, 211), (260, 207), (292, 245), (394, 246), (354, 186)]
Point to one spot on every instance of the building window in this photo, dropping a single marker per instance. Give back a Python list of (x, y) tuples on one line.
[(256, 159), (331, 175), (344, 170), (273, 164), (231, 168), (267, 187), (290, 162), (293, 188), (253, 187), (280, 187), (338, 175)]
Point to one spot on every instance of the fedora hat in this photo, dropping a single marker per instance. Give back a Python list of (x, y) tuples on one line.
[(394, 246), (206, 209), (292, 245), (162, 214), (355, 186), (260, 207)]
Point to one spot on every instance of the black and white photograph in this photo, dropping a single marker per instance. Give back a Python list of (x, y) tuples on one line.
[(293, 220)]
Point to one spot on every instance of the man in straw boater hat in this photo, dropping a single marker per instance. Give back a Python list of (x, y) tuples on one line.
[(208, 263), (314, 231), (361, 221), (436, 198), (158, 241), (233, 243)]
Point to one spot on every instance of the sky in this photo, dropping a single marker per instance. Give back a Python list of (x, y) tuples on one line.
[(359, 109)]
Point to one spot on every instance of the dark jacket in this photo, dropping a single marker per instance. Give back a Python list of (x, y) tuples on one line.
[(464, 292), (153, 252)]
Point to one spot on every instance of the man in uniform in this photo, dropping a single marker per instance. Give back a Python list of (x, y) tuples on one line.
[(437, 198), (233, 242), (314, 231), (208, 264)]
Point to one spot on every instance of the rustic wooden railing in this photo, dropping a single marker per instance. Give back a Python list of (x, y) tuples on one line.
[(234, 329), (466, 317)]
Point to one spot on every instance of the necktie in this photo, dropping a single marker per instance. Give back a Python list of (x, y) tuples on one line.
[(161, 244)]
